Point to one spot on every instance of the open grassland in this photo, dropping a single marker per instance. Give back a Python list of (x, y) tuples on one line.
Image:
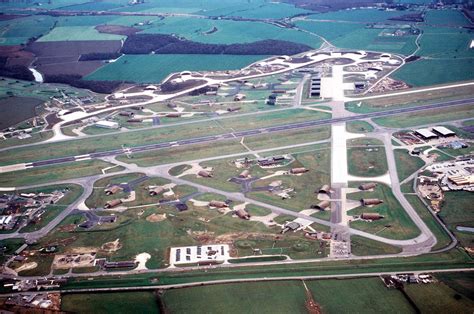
[(426, 117), (410, 100), (352, 35), (446, 17), (304, 185), (229, 32), (359, 127), (258, 297), (367, 161), (457, 211), (361, 246), (10, 246), (55, 173), (406, 163), (154, 68), (401, 225), (365, 295), (72, 193), (462, 282), (438, 298), (445, 43), (360, 15), (19, 31), (120, 302), (77, 33), (441, 236), (428, 72)]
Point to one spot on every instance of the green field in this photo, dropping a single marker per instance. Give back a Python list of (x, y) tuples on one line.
[(154, 68), (120, 302), (401, 226), (19, 31), (359, 127), (426, 117), (367, 161), (446, 18), (54, 173), (428, 72), (438, 298), (229, 32), (440, 234), (457, 211), (361, 15), (461, 282), (361, 246), (406, 163), (76, 33)]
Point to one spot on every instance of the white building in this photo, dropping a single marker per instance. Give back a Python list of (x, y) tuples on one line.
[(107, 124)]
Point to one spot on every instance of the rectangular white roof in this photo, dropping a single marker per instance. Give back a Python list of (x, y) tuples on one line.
[(108, 124), (442, 130), (425, 133)]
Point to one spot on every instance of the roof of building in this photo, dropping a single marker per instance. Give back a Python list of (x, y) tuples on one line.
[(443, 130), (426, 133), (109, 124)]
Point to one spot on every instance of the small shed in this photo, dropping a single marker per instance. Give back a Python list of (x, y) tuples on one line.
[(322, 205), (370, 201), (113, 203), (113, 189), (298, 170), (217, 204), (156, 190), (205, 174), (367, 186), (243, 214)]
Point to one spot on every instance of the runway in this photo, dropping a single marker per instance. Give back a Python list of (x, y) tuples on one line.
[(208, 139)]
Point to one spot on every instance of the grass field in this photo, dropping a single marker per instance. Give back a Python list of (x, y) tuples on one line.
[(461, 282), (260, 297), (367, 162), (406, 163), (229, 32), (361, 15), (428, 72), (440, 234), (19, 31), (361, 246), (154, 68), (122, 302), (401, 226), (446, 17), (426, 117), (457, 211), (75, 33), (359, 127), (409, 100), (54, 173), (438, 298)]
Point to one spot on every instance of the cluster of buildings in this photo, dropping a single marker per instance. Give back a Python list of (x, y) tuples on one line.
[(435, 132), (30, 206), (199, 255), (454, 175), (40, 301)]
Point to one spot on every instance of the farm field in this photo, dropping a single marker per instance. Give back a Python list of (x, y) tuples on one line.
[(432, 71), (154, 68), (259, 297), (406, 163), (229, 32), (77, 33), (426, 117), (401, 226), (461, 282), (140, 302), (456, 211), (446, 18), (359, 16), (410, 100), (437, 298), (19, 31)]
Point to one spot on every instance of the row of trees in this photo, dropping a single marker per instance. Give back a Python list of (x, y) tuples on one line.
[(103, 87), (167, 44)]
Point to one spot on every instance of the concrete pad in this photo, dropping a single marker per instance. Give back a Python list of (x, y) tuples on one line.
[(141, 259), (11, 168)]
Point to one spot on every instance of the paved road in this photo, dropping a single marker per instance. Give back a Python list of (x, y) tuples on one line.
[(226, 136)]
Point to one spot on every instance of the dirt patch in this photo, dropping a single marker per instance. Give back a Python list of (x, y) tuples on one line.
[(156, 218), (117, 29), (112, 246), (26, 266), (67, 228), (81, 250)]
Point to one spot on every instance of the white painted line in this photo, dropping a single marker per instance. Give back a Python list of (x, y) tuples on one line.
[(82, 156)]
